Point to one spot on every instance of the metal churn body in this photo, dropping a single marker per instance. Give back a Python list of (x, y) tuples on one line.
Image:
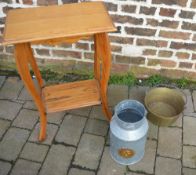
[(128, 138)]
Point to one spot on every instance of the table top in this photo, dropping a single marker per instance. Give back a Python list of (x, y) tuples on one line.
[(53, 22)]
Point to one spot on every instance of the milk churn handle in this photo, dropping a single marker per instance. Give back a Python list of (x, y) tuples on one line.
[(173, 87)]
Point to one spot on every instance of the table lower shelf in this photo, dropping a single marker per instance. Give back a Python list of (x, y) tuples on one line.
[(73, 95)]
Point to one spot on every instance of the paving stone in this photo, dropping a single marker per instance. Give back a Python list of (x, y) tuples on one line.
[(51, 132), (81, 111), (189, 109), (5, 168), (138, 93), (56, 117), (108, 166), (89, 151), (188, 171), (4, 125), (97, 113), (71, 130), (97, 127), (24, 167), (26, 119), (25, 95), (178, 122), (194, 99), (9, 110), (34, 152), (152, 131), (12, 143), (172, 136), (11, 88), (57, 160), (117, 93), (75, 171), (2, 79), (189, 156), (147, 163), (167, 166), (30, 105), (189, 130)]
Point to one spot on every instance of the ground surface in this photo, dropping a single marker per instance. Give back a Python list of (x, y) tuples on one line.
[(78, 143)]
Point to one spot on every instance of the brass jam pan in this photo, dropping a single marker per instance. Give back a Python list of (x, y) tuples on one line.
[(164, 105)]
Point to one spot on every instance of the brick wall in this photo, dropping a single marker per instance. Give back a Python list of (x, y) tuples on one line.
[(154, 36)]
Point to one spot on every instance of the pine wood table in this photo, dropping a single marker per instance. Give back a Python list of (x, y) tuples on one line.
[(53, 25)]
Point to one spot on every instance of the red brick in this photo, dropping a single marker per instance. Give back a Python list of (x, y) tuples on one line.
[(63, 53), (111, 7), (129, 8), (83, 46), (47, 2), (147, 42), (127, 19), (119, 68), (66, 45), (165, 23), (162, 63), (89, 55), (147, 10), (149, 52), (175, 35), (130, 60), (83, 66), (193, 4), (185, 65), (171, 2), (193, 56), (180, 45), (194, 37), (186, 14), (43, 52), (189, 26), (167, 12), (140, 31), (121, 40), (182, 55), (29, 2), (165, 53), (115, 48)]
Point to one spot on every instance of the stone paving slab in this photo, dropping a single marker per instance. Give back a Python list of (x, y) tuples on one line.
[(8, 109), (89, 151), (51, 132), (80, 145), (108, 166), (34, 152), (24, 167), (189, 133), (26, 119), (167, 166), (97, 127), (71, 130), (170, 142), (5, 167), (117, 93), (11, 88), (12, 143), (147, 163), (57, 160), (4, 125), (75, 171), (2, 80), (189, 156)]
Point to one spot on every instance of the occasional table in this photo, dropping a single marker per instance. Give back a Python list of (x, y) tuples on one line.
[(53, 25)]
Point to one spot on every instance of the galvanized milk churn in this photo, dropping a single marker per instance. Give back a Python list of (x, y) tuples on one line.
[(128, 132)]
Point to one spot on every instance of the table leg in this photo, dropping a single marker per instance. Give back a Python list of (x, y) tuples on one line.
[(103, 55), (23, 56)]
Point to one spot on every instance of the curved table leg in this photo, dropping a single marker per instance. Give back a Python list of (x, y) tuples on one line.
[(22, 55), (103, 52)]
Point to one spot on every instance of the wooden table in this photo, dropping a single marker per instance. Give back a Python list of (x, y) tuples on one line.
[(53, 25)]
